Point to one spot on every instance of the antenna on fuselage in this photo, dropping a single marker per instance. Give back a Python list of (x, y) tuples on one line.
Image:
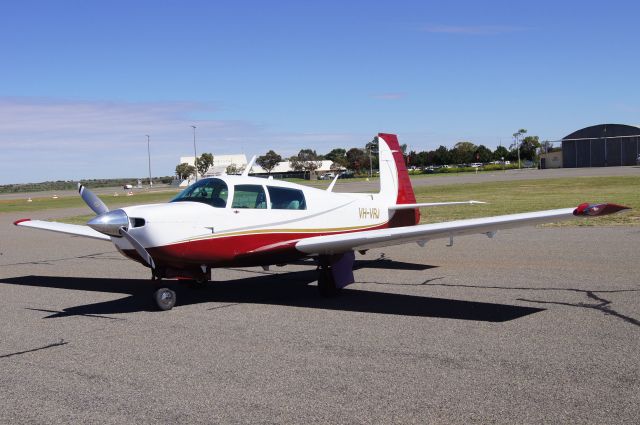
[(333, 183), (245, 173)]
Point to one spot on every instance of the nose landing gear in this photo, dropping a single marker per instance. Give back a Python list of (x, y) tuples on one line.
[(165, 298)]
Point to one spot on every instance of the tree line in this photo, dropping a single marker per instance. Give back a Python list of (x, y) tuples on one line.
[(362, 160)]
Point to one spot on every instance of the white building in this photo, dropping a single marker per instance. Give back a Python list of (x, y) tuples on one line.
[(222, 162), (285, 167)]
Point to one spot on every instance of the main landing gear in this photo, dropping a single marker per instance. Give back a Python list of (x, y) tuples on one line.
[(326, 283), (335, 272)]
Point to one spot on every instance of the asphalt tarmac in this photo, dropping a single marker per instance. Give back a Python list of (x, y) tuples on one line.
[(535, 325)]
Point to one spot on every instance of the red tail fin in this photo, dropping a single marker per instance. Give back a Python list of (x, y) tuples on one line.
[(405, 190)]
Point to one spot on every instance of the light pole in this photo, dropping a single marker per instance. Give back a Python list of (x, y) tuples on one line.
[(370, 146), (517, 136), (518, 142), (195, 153), (149, 156)]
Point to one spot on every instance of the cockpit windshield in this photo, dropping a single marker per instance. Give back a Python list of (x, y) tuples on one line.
[(209, 191)]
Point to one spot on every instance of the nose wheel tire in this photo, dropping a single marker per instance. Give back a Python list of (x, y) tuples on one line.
[(165, 298)]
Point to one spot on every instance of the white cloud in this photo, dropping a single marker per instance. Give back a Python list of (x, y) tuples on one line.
[(49, 139)]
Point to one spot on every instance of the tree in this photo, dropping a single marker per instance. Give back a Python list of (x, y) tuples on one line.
[(337, 156), (184, 170), (371, 151), (296, 164), (204, 163), (545, 147), (441, 156), (423, 159), (516, 142), (356, 159), (269, 161), (336, 167), (412, 159), (234, 169), (483, 154), (529, 147), (309, 160), (372, 145), (500, 154), (462, 153)]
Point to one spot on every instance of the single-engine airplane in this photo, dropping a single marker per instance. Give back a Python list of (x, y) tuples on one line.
[(246, 221)]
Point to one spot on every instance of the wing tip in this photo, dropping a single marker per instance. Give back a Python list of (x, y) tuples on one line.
[(22, 220), (595, 210)]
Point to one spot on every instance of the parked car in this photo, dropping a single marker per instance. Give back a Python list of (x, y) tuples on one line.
[(476, 164), (327, 176)]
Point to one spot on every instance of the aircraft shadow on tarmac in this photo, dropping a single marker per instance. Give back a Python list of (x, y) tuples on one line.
[(285, 289)]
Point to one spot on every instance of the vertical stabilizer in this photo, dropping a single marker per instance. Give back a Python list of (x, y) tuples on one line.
[(395, 185)]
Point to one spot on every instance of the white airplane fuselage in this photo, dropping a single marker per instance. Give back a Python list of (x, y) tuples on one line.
[(192, 234)]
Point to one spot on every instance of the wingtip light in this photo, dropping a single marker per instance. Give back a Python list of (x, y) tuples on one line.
[(595, 210)]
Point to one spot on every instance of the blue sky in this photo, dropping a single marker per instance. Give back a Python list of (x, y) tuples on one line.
[(83, 82)]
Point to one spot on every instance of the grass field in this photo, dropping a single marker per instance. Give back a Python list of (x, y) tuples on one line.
[(502, 197), (39, 204), (532, 195)]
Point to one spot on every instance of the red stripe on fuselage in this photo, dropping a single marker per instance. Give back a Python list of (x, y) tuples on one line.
[(233, 251)]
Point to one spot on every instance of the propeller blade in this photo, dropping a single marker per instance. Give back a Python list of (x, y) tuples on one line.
[(92, 200), (139, 248)]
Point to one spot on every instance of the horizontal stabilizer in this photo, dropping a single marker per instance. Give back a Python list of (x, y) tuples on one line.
[(432, 204)]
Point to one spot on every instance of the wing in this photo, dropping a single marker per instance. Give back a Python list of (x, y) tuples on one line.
[(70, 229), (331, 244)]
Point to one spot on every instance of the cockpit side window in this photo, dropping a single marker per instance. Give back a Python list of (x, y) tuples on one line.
[(213, 192), (283, 198), (249, 196)]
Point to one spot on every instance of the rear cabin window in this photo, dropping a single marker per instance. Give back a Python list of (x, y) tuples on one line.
[(283, 198), (249, 196), (208, 191)]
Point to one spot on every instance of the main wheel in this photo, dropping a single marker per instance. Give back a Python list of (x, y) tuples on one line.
[(326, 283), (165, 299), (199, 282)]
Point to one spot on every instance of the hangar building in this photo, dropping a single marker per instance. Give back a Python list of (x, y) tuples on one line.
[(604, 145)]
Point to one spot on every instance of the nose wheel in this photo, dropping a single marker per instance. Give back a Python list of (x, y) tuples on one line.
[(165, 299)]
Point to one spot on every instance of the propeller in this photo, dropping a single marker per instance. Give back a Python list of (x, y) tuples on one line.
[(92, 200), (139, 248), (112, 223)]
